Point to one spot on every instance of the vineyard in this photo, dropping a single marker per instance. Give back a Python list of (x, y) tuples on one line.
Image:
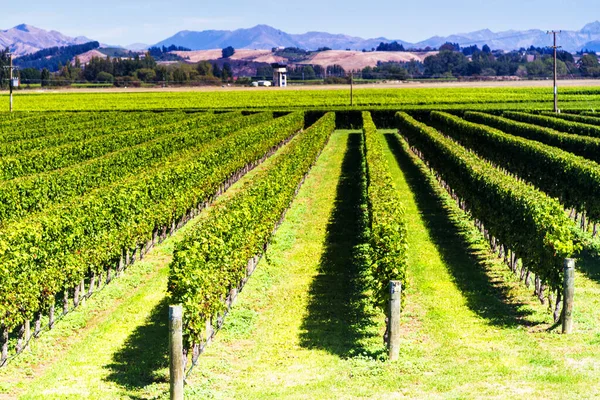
[(278, 220)]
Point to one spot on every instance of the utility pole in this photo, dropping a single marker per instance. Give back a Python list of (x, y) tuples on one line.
[(10, 79), (351, 89), (555, 47)]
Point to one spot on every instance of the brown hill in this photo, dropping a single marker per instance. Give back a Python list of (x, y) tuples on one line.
[(261, 56), (355, 60), (85, 58), (349, 60)]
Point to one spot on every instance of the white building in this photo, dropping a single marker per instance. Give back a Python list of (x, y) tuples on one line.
[(279, 74)]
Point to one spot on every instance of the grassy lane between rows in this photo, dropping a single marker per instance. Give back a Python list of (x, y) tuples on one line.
[(482, 333)]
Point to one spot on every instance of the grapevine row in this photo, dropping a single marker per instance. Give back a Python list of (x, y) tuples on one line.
[(37, 161), (42, 124), (213, 258), (573, 179), (70, 132), (55, 250), (388, 235), (585, 146), (21, 196), (527, 221), (575, 117), (555, 123)]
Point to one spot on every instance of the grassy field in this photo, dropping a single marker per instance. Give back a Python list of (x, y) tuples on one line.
[(472, 97)]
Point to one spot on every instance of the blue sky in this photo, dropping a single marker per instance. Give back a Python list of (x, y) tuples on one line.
[(126, 21)]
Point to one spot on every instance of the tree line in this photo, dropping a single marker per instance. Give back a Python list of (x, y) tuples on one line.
[(451, 61)]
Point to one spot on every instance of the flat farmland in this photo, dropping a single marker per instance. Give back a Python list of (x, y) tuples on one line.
[(580, 95), (277, 219)]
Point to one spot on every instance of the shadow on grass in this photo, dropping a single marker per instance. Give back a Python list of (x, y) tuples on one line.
[(144, 354), (339, 319), (588, 262), (461, 249)]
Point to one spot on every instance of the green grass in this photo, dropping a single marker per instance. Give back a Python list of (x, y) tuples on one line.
[(121, 353), (72, 336), (498, 341)]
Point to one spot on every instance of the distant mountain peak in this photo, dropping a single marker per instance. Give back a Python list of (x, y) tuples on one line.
[(25, 39), (592, 27), (23, 28)]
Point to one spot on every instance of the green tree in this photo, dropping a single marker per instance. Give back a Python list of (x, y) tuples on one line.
[(30, 75), (217, 71), (589, 65), (105, 77), (227, 52), (162, 74), (45, 77), (264, 71), (308, 72), (180, 76), (537, 68), (205, 68), (446, 63), (227, 72), (146, 75)]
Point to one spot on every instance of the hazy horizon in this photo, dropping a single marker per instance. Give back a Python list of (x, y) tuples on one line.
[(124, 23)]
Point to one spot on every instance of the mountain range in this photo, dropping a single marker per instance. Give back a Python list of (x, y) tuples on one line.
[(265, 37), (24, 39)]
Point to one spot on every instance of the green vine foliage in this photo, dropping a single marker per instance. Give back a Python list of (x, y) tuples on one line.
[(574, 180), (523, 218), (577, 128), (48, 251), (585, 146), (212, 259), (109, 140), (28, 126), (22, 196), (388, 235), (584, 119), (69, 130)]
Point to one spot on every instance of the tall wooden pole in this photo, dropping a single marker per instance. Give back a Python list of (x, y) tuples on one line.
[(568, 295), (394, 320), (176, 352), (351, 89), (10, 82)]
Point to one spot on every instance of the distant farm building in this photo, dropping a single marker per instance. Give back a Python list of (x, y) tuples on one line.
[(279, 74)]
